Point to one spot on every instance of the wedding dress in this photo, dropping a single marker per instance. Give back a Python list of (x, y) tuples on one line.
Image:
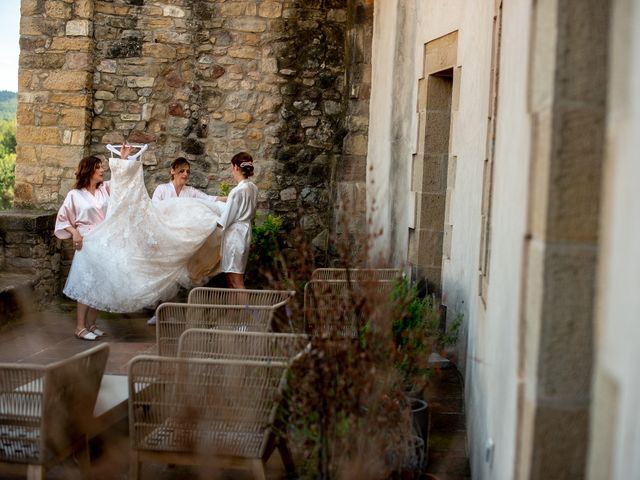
[(142, 252)]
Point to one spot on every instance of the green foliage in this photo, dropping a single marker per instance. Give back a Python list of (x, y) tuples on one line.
[(418, 330), (265, 240), (225, 188), (7, 162), (8, 102), (7, 137), (7, 179)]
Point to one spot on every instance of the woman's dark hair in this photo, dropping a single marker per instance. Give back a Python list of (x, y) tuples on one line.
[(178, 162), (86, 167), (244, 162)]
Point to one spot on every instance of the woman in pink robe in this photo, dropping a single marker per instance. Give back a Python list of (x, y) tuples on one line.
[(142, 252), (84, 208)]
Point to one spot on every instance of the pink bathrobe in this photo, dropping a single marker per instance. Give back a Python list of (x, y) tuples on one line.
[(82, 211)]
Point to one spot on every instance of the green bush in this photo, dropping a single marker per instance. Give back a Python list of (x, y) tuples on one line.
[(264, 240), (7, 179), (225, 188), (418, 331), (7, 137), (7, 162)]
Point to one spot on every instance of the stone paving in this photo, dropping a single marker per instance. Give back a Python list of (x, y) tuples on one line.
[(44, 337)]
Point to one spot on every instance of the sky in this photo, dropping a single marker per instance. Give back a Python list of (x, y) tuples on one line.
[(9, 44)]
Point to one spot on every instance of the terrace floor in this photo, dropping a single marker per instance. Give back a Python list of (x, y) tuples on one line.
[(44, 337)]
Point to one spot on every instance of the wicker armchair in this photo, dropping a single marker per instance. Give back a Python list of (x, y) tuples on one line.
[(175, 318), (338, 308), (46, 411), (255, 346), (237, 296), (357, 274), (201, 411)]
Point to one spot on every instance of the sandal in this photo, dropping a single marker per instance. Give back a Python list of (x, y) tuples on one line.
[(96, 331), (85, 334)]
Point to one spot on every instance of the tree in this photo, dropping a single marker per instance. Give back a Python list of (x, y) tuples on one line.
[(7, 137), (7, 162)]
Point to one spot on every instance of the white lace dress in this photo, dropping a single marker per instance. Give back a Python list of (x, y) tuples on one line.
[(140, 253)]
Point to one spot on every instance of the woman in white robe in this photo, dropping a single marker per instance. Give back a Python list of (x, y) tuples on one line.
[(177, 187), (83, 209), (236, 220), (140, 253)]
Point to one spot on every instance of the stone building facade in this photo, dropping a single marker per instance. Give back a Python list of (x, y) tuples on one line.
[(506, 135), (286, 80), (493, 144)]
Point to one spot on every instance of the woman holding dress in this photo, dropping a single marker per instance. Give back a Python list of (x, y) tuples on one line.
[(177, 187), (236, 220), (141, 253), (83, 209)]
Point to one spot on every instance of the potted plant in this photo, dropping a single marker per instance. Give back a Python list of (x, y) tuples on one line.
[(419, 330)]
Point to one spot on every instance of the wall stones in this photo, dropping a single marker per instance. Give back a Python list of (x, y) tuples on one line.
[(202, 79), (27, 246), (55, 79)]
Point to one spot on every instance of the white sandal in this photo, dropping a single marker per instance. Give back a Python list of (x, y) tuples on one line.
[(96, 331), (85, 334)]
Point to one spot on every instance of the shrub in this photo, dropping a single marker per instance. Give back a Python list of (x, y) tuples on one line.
[(225, 188), (418, 330), (7, 179)]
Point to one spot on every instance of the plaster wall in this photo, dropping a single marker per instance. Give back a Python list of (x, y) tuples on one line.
[(379, 143), (400, 31), (615, 438), (488, 348), (497, 323)]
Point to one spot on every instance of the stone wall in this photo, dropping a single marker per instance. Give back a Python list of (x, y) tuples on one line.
[(203, 79), (28, 249), (54, 98)]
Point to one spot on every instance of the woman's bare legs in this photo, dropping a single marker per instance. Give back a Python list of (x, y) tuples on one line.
[(81, 316), (235, 280), (92, 314), (85, 318)]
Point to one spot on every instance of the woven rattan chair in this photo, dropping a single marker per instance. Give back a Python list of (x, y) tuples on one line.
[(174, 318), (238, 296), (357, 274), (255, 346), (46, 411), (203, 412), (338, 308)]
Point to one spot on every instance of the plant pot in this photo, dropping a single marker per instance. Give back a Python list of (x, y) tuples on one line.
[(420, 421)]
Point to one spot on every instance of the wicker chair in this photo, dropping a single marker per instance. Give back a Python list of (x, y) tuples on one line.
[(175, 318), (46, 411), (255, 346), (357, 274), (237, 296), (340, 307), (218, 413)]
